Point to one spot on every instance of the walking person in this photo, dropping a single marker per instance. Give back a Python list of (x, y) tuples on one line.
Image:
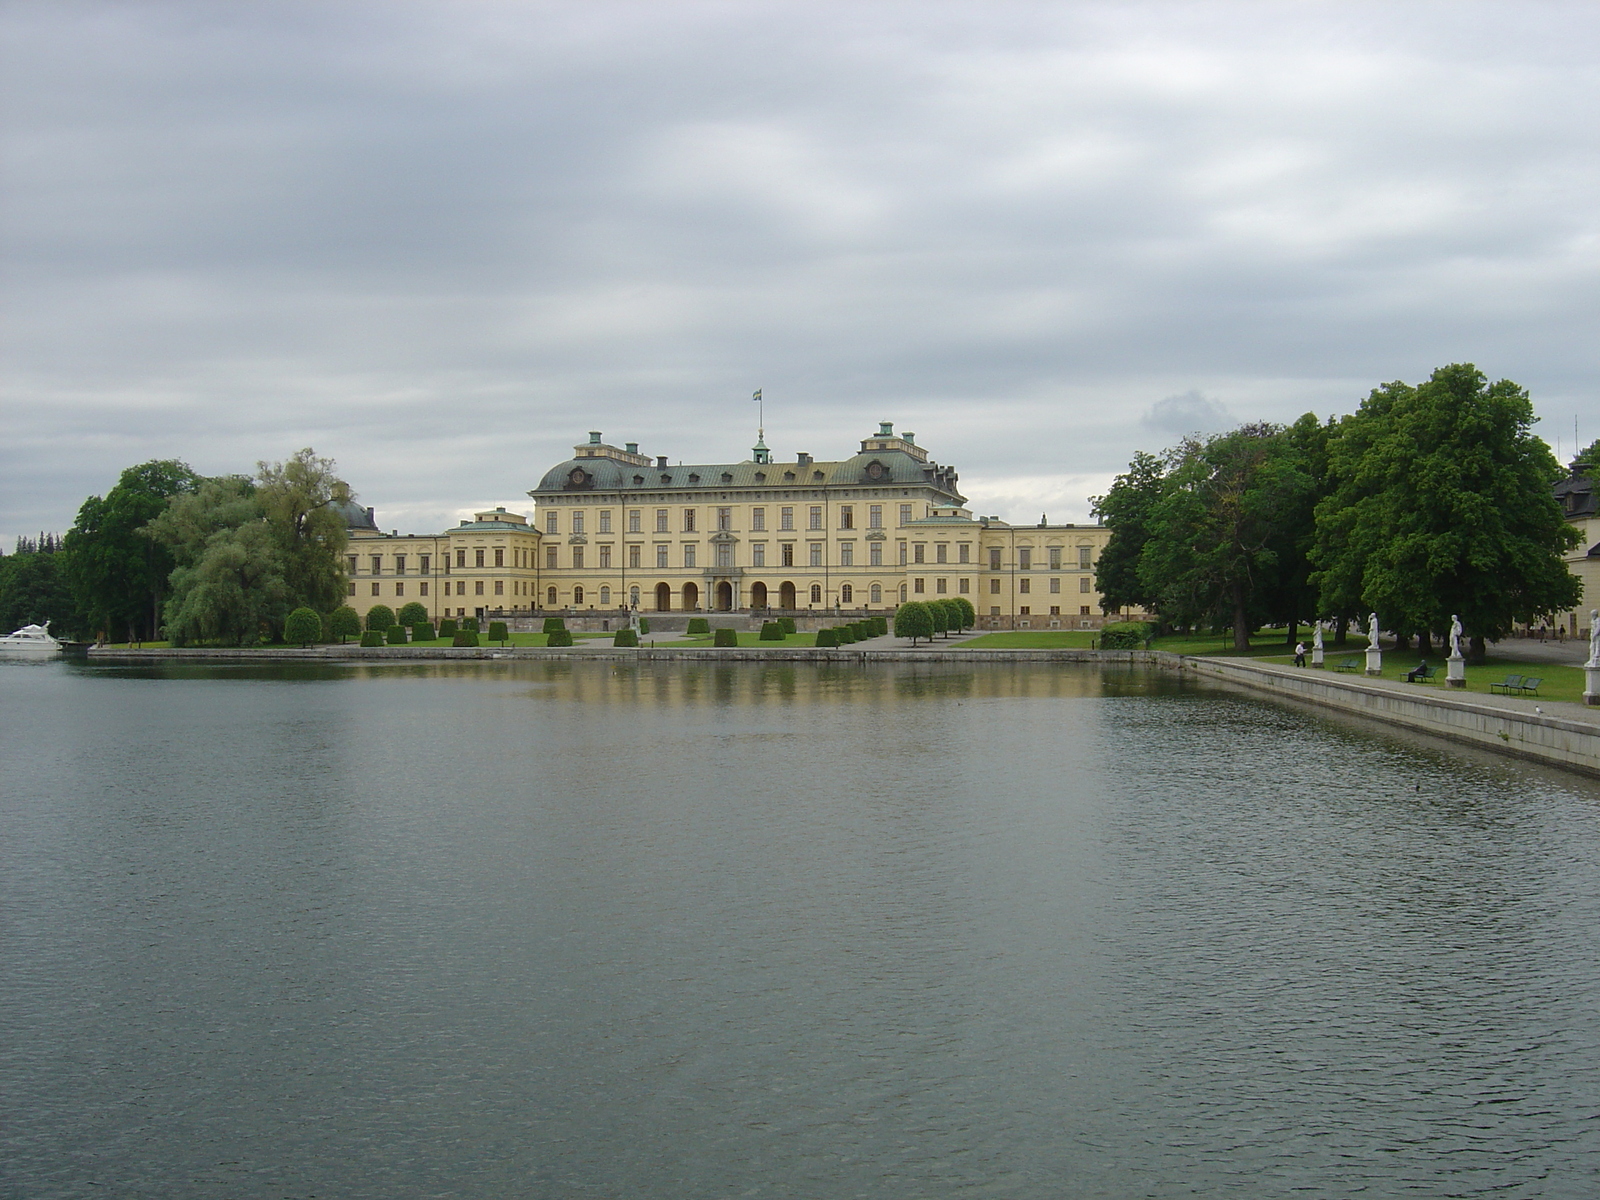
[(1299, 654)]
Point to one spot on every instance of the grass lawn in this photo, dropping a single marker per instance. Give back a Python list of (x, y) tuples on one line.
[(1034, 639), (1559, 682), (746, 638)]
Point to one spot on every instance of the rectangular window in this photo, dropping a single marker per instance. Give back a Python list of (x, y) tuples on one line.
[(577, 558), (605, 520), (377, 564), (758, 519), (963, 585), (1024, 586), (758, 554), (724, 555), (815, 517), (633, 557), (786, 518), (788, 554), (375, 589), (661, 558), (917, 552), (1055, 610), (847, 554), (661, 520), (905, 514), (994, 558), (875, 554), (399, 564), (499, 587), (902, 546), (461, 587), (1025, 610), (461, 559), (1055, 558), (939, 587), (1083, 558), (633, 520), (688, 520), (1025, 558), (552, 522), (994, 587), (423, 587), (352, 560), (550, 558), (477, 588), (688, 556), (874, 516), (1055, 585), (724, 518), (1083, 583), (499, 556), (605, 558), (424, 561), (577, 522), (352, 589), (847, 516), (399, 589), (916, 585), (1083, 610), (477, 556), (816, 554)]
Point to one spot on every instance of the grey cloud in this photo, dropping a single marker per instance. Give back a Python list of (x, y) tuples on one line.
[(1189, 412)]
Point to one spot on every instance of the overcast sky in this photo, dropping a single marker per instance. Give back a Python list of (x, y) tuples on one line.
[(440, 241)]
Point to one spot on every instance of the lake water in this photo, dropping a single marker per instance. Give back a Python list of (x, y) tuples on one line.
[(581, 930)]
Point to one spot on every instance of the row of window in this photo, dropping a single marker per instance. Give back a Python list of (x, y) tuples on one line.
[(517, 587), (520, 557), (723, 518)]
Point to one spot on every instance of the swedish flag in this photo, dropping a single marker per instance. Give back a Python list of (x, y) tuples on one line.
[(757, 396)]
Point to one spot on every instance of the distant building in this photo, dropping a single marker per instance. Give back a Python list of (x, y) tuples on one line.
[(614, 529), (1581, 507)]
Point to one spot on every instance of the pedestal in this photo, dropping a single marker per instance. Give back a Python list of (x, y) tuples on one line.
[(1591, 685), (1374, 661), (1316, 656), (1455, 671)]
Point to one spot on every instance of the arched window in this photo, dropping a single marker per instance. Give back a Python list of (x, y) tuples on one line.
[(577, 594), (633, 597), (847, 594), (902, 593), (877, 594), (816, 593), (605, 597), (550, 597)]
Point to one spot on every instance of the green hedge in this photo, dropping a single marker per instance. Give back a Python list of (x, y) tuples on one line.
[(498, 632), (372, 638), (786, 624), (412, 614), (771, 631), (380, 617), (698, 625), (625, 637), (470, 624), (827, 637), (396, 635), (1124, 635), (551, 624), (644, 626), (559, 637), (465, 637), (447, 627), (725, 637), (422, 631), (845, 635)]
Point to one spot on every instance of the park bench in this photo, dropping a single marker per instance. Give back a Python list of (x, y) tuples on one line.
[(1511, 683), (1353, 663), (1422, 673), (1530, 686)]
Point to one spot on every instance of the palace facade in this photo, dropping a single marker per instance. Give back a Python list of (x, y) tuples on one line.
[(614, 529)]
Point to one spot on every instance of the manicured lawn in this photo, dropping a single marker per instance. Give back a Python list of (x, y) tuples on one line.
[(746, 638), (1559, 682), (1033, 639)]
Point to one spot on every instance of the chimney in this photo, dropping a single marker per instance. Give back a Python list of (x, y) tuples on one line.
[(804, 459), (633, 447), (594, 437), (910, 437), (885, 428), (661, 462)]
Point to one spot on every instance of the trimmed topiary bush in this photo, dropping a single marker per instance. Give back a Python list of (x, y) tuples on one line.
[(559, 637), (844, 634), (787, 625), (551, 624), (447, 627), (372, 638), (422, 631), (697, 625), (380, 617), (827, 638), (938, 614), (969, 615), (1124, 635), (725, 637), (498, 632), (303, 626), (644, 626), (625, 637), (395, 635), (465, 637), (412, 614), (470, 624), (771, 631), (912, 620)]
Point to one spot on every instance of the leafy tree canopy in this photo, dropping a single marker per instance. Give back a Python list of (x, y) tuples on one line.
[(1127, 510)]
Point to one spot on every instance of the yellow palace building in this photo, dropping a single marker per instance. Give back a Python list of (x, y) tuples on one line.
[(614, 529)]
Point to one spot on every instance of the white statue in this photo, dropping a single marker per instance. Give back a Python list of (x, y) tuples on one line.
[(1455, 636), (1594, 639), (1316, 637), (1372, 630)]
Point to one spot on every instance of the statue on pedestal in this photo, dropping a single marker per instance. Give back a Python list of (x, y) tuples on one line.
[(1594, 639), (1372, 630), (1455, 636)]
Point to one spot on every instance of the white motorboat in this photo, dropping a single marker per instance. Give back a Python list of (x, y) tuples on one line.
[(31, 640)]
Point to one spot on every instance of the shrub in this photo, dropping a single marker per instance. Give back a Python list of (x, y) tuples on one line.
[(422, 631), (447, 627), (969, 615), (725, 637), (771, 632), (396, 635), (912, 620), (372, 638), (698, 625), (1124, 635), (559, 637), (787, 625), (551, 624), (498, 632), (625, 637), (644, 626), (303, 626), (470, 624), (939, 615), (861, 629), (465, 637), (842, 632), (827, 637), (412, 613), (380, 617)]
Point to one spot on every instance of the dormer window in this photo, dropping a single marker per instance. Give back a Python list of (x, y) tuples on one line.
[(638, 481), (788, 476), (727, 477), (761, 476), (817, 477), (694, 478), (666, 480), (876, 470)]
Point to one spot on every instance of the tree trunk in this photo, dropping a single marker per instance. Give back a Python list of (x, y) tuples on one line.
[(1402, 641), (1424, 643), (1241, 620), (1478, 652), (1294, 631)]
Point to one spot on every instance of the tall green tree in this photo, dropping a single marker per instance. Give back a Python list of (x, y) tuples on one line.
[(301, 499), (34, 589), (1441, 504), (1127, 510), (1214, 551), (119, 576)]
